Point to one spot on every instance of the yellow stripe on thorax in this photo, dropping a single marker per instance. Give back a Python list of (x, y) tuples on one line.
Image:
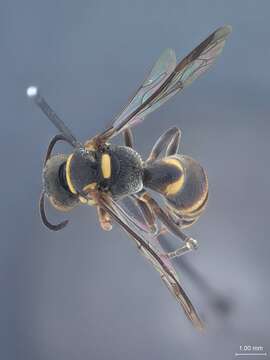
[(174, 187), (69, 182), (106, 166)]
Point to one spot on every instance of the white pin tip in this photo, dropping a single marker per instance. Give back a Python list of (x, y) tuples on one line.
[(32, 91)]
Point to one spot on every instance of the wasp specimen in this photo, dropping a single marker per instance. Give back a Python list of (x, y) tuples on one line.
[(101, 174)]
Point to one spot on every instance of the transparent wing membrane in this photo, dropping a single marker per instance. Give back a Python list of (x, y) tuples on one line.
[(166, 79), (159, 73)]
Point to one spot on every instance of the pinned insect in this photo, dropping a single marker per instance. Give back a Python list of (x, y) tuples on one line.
[(101, 174)]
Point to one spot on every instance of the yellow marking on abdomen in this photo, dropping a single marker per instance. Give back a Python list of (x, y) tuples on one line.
[(106, 166), (199, 205), (69, 182), (174, 187)]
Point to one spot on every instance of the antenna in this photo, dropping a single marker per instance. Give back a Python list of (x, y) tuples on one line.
[(33, 93)]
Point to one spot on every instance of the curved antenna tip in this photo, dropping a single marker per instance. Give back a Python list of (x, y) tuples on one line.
[(32, 91)]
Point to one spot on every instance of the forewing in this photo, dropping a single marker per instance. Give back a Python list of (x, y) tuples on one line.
[(166, 79), (146, 245), (190, 68), (162, 69)]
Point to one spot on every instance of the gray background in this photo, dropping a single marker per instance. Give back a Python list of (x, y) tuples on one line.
[(82, 293)]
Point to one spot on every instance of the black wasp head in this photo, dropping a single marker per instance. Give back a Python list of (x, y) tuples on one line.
[(64, 179)]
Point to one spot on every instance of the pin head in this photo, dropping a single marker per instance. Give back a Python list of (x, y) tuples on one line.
[(32, 91)]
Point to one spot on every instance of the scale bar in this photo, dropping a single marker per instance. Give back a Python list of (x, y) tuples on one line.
[(254, 354)]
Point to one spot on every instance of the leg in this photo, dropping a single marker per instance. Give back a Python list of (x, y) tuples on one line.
[(128, 138), (169, 141), (171, 225), (147, 213), (180, 221), (173, 146), (104, 219), (191, 244), (163, 216)]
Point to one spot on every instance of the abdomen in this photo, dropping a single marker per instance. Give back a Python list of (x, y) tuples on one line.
[(183, 183)]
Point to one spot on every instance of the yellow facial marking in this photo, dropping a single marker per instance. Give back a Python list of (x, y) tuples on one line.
[(174, 187), (90, 187), (90, 202), (69, 182), (83, 200), (106, 166)]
